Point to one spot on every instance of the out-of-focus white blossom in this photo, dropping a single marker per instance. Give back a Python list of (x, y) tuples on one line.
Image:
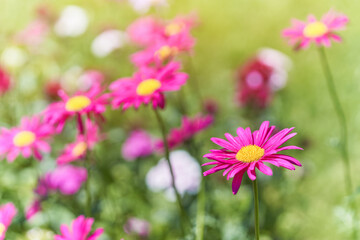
[(13, 57), (72, 23), (107, 42), (143, 6), (280, 63), (186, 170), (39, 234)]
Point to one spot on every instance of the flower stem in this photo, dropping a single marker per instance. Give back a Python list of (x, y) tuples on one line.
[(343, 127), (256, 209), (341, 116), (200, 214), (184, 217)]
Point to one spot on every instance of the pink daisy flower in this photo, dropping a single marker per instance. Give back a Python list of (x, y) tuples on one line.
[(93, 102), (78, 149), (144, 31), (189, 127), (80, 229), (321, 31), (27, 139), (7, 213), (247, 151), (147, 86)]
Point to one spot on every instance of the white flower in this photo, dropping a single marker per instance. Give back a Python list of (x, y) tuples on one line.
[(186, 170), (72, 23), (107, 42), (39, 234), (280, 63), (13, 57), (143, 6)]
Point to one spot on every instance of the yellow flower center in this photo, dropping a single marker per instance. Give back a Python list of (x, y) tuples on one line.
[(315, 29), (173, 28), (148, 87), (79, 149), (250, 153), (2, 229), (24, 138), (166, 52), (77, 103)]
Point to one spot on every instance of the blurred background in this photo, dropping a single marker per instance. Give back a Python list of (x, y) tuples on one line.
[(41, 52)]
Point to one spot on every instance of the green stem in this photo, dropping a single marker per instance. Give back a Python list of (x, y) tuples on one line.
[(200, 214), (256, 209), (343, 127), (342, 119), (184, 217)]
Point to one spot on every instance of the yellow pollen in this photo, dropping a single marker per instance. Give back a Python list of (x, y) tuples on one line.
[(315, 29), (24, 138), (77, 103), (166, 52), (2, 229), (148, 87), (250, 153), (173, 28), (79, 149)]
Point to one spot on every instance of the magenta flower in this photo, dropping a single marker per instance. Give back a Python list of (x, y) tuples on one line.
[(7, 213), (189, 127), (144, 31), (87, 103), (147, 86), (27, 139), (139, 144), (33, 209), (79, 230), (247, 151), (321, 31), (4, 81), (77, 150)]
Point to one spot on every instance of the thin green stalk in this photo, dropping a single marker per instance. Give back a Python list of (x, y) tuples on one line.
[(200, 214), (343, 128), (256, 209), (184, 217), (342, 119)]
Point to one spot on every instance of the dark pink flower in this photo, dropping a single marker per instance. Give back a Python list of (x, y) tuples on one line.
[(7, 213), (5, 81), (248, 151), (79, 230)]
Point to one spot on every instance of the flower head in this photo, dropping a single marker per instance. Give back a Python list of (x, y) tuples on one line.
[(77, 150), (247, 151), (93, 102), (147, 86), (80, 229), (144, 31), (189, 127), (139, 144), (4, 81), (7, 213), (27, 139), (321, 31)]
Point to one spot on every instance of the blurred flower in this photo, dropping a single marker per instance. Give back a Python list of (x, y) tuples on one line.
[(321, 31), (211, 106), (147, 86), (248, 151), (4, 81), (7, 213), (144, 31), (13, 57), (139, 144), (51, 90), (33, 209), (27, 139), (39, 234), (143, 6), (90, 78), (72, 23), (253, 84), (79, 148), (79, 230), (137, 226), (186, 170), (34, 34), (189, 127), (82, 103), (280, 64), (107, 42)]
